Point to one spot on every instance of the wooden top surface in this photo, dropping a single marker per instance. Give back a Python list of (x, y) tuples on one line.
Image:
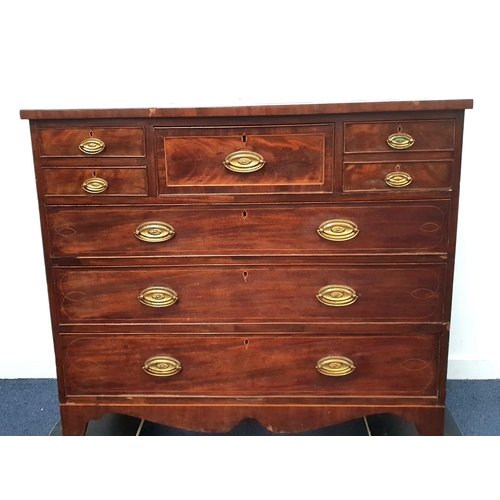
[(237, 111)]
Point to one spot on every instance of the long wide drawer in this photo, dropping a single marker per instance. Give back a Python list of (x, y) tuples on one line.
[(251, 366), (251, 294), (253, 230)]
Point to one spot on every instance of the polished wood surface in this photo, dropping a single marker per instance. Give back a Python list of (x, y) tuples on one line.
[(425, 175), (245, 262), (243, 294), (296, 159), (245, 111), (250, 230), (371, 137), (253, 366), (121, 181), (118, 141)]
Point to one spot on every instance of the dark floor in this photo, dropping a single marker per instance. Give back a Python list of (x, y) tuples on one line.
[(30, 408)]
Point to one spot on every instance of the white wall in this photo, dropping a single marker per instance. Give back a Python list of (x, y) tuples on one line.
[(62, 54)]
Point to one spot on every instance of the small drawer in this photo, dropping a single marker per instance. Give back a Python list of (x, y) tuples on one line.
[(92, 142), (101, 181), (245, 159), (390, 228), (385, 137), (251, 294), (398, 176), (253, 366)]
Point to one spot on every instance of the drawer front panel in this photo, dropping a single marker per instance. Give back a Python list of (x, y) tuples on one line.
[(371, 137), (369, 176), (253, 366), (118, 181), (294, 159), (125, 142), (253, 230), (251, 294)]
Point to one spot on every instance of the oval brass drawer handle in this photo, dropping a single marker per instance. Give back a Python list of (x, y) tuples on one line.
[(400, 141), (244, 161), (398, 179), (338, 230), (95, 185), (154, 232), (337, 295), (91, 146), (158, 296), (162, 366), (335, 366)]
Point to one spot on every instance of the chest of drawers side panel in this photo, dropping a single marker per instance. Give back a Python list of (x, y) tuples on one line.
[(450, 272), (48, 263)]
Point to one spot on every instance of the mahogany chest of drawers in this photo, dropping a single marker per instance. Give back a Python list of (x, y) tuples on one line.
[(291, 264)]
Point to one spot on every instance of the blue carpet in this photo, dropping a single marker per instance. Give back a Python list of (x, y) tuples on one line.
[(29, 407), (475, 406)]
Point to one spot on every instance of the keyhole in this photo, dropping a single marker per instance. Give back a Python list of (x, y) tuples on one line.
[(91, 133), (94, 173), (245, 276), (244, 139), (400, 128), (244, 213), (246, 343)]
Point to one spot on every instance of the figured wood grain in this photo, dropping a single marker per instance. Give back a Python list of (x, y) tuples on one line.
[(250, 230), (372, 137), (425, 175), (118, 141), (296, 159), (121, 181), (240, 294), (252, 366)]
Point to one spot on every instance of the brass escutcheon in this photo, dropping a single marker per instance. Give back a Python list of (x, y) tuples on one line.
[(337, 295), (244, 161), (158, 296), (398, 179), (400, 141), (154, 232), (338, 230), (162, 366), (335, 366), (91, 146), (95, 185)]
